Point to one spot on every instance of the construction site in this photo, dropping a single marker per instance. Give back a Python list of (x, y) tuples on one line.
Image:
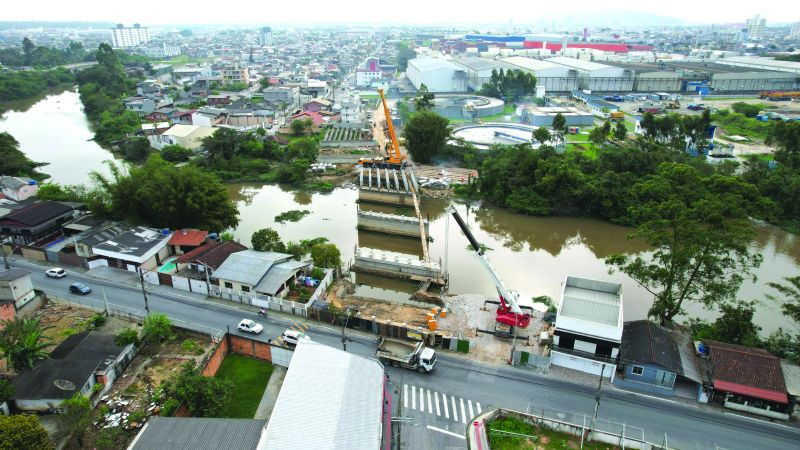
[(393, 244)]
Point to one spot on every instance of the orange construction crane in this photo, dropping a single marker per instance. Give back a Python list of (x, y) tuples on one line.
[(395, 159)]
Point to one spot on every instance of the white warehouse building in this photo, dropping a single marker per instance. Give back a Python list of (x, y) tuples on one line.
[(479, 70), (438, 75), (554, 77), (597, 77)]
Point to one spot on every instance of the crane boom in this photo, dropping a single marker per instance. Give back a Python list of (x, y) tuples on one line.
[(509, 312), (395, 157)]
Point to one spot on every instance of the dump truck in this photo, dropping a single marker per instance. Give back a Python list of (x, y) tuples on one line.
[(407, 354), (616, 116)]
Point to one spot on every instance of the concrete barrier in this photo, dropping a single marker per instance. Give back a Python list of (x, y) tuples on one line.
[(390, 224), (397, 265), (385, 197)]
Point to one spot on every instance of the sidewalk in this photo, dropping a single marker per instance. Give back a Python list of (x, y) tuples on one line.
[(270, 396)]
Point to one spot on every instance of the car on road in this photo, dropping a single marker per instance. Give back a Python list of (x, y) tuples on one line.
[(251, 326), (79, 288), (56, 272), (293, 337)]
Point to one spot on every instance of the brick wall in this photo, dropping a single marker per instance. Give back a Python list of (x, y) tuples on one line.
[(251, 348), (216, 358)]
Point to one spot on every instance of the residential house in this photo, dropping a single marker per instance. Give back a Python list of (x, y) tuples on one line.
[(250, 273), (183, 117), (140, 105), (74, 367), (232, 73), (649, 361), (208, 117), (139, 248), (192, 433), (221, 99), (16, 290), (201, 262), (317, 105), (791, 374), (36, 222), (588, 326), (316, 118), (188, 136), (18, 188), (282, 94), (153, 129), (186, 240), (747, 379), (161, 115), (316, 88)]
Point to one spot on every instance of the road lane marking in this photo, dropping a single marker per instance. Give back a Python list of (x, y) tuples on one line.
[(438, 411), (430, 408), (444, 402), (478, 405), (471, 414), (430, 427), (405, 396), (413, 397), (421, 399), (455, 411), (463, 414)]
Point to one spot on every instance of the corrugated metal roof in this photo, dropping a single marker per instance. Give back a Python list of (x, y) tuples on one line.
[(330, 400), (479, 64), (592, 301), (277, 275), (578, 63), (791, 375), (432, 63), (530, 63), (191, 433), (248, 266)]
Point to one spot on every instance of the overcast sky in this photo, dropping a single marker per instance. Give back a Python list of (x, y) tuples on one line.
[(403, 11)]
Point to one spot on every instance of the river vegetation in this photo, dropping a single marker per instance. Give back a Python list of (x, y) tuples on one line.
[(19, 85), (294, 215), (13, 161)]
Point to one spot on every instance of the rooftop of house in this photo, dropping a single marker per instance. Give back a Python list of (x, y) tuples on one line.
[(190, 433), (13, 274), (15, 182), (277, 275), (137, 241), (591, 307), (36, 214), (212, 254), (649, 343), (249, 266), (747, 371), (74, 360), (188, 237)]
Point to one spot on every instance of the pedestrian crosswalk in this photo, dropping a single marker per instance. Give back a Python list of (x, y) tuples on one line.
[(296, 326), (439, 404)]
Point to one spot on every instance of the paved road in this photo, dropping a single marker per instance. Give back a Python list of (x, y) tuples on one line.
[(465, 387)]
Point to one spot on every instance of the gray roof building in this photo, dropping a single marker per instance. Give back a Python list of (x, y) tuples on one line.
[(191, 433), (249, 266)]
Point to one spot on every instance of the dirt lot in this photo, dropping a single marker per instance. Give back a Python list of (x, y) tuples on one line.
[(456, 175)]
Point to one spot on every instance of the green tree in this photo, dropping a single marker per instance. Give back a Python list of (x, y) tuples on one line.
[(598, 135), (7, 389), (305, 148), (115, 126), (782, 343), (559, 122), (22, 342), (620, 132), (790, 304), (786, 137), (76, 416), (700, 228), (157, 327), (424, 99), (607, 128), (23, 432), (541, 135), (223, 144), (175, 153), (301, 126), (126, 337), (28, 49), (267, 240), (264, 83), (204, 396), (404, 53), (326, 255), (137, 149), (426, 135), (734, 325), (13, 162), (746, 109), (158, 194)]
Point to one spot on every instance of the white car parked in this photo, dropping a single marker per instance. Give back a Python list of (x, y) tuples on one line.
[(293, 337), (251, 326), (56, 272)]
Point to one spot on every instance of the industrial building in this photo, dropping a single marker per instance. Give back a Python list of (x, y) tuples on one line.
[(596, 105), (597, 77), (731, 78), (651, 77), (479, 70), (554, 77), (438, 75), (543, 116), (754, 62)]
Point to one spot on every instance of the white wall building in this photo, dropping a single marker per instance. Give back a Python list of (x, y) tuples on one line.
[(122, 36), (597, 77), (438, 75), (554, 77), (265, 37)]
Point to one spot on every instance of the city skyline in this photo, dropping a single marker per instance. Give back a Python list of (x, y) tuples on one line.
[(413, 11)]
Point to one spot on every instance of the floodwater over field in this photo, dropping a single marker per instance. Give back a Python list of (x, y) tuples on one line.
[(55, 130), (532, 254)]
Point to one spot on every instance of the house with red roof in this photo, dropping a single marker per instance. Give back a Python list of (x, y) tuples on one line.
[(748, 379), (315, 117), (194, 269), (186, 240)]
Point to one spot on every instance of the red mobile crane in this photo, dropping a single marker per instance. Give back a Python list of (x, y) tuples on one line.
[(508, 313)]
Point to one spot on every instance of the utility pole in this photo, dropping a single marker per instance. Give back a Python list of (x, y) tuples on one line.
[(597, 397), (144, 292), (344, 338), (105, 299), (3, 251)]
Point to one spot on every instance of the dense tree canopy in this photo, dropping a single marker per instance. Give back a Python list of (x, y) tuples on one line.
[(404, 53), (42, 56), (326, 255), (103, 86), (204, 396), (23, 432), (161, 195), (426, 135), (424, 99), (13, 162), (30, 83), (700, 229), (23, 342), (267, 240), (511, 84)]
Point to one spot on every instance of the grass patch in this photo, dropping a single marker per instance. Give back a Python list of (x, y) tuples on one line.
[(587, 149), (508, 110), (249, 377), (540, 437), (737, 124), (179, 60), (767, 157)]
